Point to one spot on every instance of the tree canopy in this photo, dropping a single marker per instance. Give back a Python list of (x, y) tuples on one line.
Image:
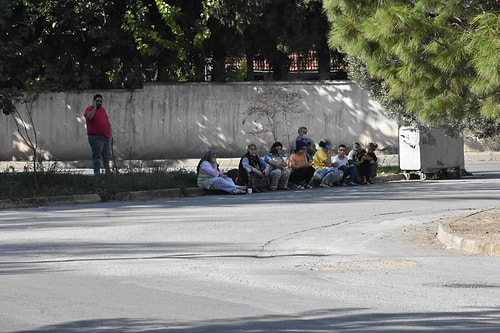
[(67, 44), (436, 60)]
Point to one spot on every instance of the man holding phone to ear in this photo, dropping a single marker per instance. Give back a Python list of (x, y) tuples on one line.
[(99, 134)]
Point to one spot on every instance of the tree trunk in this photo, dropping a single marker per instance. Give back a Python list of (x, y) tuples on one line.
[(219, 65)]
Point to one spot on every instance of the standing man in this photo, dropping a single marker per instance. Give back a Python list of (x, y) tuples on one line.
[(99, 134), (309, 144)]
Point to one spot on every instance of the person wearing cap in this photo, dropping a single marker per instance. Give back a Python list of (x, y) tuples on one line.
[(211, 178), (301, 168), (327, 174)]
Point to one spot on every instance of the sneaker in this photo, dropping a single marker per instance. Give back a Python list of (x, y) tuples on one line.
[(298, 187), (308, 186), (353, 184), (324, 185)]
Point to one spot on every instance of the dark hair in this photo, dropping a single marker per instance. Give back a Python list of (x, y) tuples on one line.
[(275, 145), (324, 143), (373, 146), (356, 144), (97, 96), (342, 146), (301, 128)]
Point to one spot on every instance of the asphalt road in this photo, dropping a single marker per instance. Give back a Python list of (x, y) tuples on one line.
[(351, 259)]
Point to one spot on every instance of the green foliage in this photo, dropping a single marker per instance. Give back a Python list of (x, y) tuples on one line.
[(437, 62), (54, 183)]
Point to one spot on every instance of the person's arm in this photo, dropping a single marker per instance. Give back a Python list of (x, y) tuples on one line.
[(336, 161), (267, 167), (90, 112), (246, 165), (208, 169)]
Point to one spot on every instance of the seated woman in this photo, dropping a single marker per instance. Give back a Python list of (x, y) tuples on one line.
[(211, 178), (327, 174), (301, 169), (253, 171), (279, 168)]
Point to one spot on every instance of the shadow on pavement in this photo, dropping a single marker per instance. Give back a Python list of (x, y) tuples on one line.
[(335, 320)]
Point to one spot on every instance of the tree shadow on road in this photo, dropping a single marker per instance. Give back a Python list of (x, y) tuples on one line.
[(319, 321)]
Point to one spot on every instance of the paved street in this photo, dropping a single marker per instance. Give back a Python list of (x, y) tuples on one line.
[(350, 259)]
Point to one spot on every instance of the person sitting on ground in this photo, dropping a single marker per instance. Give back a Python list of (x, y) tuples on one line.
[(366, 163), (279, 168), (310, 145), (341, 162), (324, 172), (211, 178), (301, 169), (353, 159), (253, 171)]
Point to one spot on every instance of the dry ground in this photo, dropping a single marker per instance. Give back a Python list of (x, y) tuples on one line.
[(483, 225)]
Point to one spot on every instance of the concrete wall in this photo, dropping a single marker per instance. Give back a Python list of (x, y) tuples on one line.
[(178, 121)]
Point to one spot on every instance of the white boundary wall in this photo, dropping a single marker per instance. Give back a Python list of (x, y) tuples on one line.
[(181, 120)]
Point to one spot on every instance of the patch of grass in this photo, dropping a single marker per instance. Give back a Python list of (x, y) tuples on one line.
[(22, 185), (388, 170)]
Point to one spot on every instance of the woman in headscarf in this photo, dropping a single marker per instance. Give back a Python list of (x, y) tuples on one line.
[(253, 171), (211, 178)]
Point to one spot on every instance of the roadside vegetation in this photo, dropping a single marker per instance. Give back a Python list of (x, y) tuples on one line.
[(17, 185)]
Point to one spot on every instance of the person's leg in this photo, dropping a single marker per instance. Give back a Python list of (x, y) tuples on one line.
[(296, 177), (352, 175), (222, 184), (274, 177), (345, 171), (308, 174), (96, 144), (283, 181), (106, 153)]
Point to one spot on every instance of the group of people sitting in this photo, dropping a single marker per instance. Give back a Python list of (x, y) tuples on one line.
[(307, 166)]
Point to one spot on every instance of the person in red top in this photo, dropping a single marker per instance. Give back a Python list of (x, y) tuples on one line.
[(99, 134)]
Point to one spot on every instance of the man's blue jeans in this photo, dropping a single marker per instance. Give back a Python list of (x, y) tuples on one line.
[(349, 170), (101, 150)]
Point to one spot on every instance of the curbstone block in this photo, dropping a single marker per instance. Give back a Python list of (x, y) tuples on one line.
[(457, 242)]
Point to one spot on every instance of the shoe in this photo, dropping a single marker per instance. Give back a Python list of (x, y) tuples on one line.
[(284, 188), (324, 185), (238, 191), (308, 186), (370, 181), (298, 187), (273, 189), (353, 184), (244, 188)]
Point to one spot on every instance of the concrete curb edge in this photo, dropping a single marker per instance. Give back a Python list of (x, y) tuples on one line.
[(458, 242)]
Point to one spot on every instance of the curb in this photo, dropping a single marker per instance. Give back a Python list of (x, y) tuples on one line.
[(129, 196), (458, 242)]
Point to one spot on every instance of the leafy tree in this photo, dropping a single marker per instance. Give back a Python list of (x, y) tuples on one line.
[(437, 61)]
